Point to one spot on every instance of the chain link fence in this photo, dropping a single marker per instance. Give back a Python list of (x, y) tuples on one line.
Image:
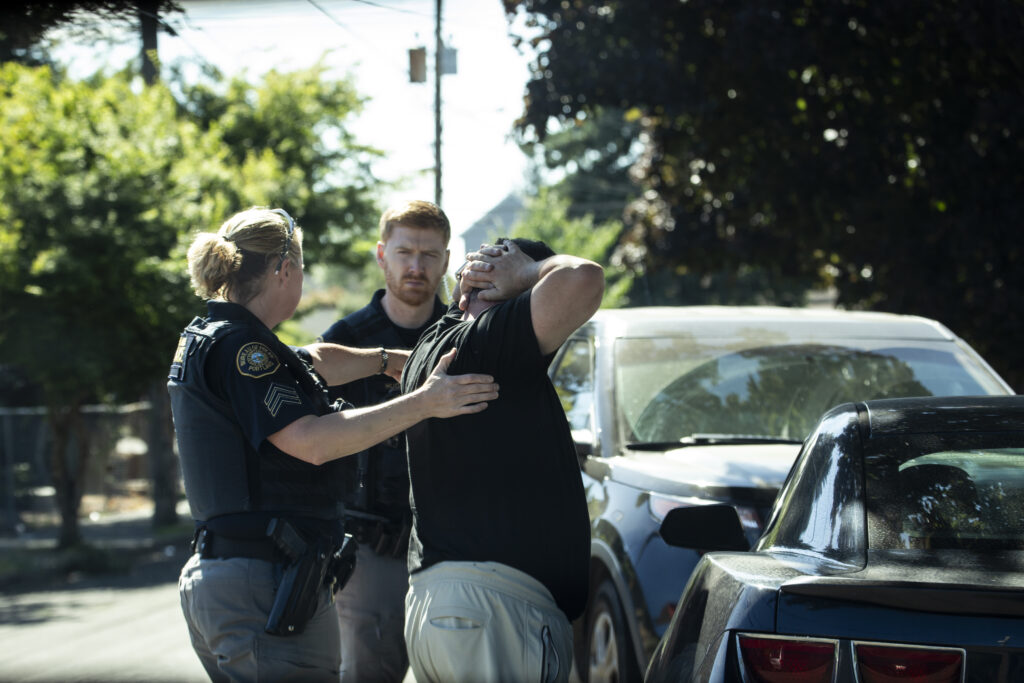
[(117, 465)]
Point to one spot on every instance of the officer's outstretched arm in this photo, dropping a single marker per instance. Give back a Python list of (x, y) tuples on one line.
[(339, 364), (321, 439)]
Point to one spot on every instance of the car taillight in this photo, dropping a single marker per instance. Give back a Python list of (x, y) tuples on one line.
[(788, 660), (899, 664)]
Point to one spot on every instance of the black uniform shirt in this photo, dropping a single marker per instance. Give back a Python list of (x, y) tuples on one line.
[(233, 384), (245, 370), (377, 479)]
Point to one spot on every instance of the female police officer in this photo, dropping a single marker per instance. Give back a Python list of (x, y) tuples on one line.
[(258, 441)]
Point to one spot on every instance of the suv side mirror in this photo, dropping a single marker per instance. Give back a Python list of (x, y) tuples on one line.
[(704, 527)]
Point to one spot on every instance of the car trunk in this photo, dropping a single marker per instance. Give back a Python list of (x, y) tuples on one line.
[(939, 599)]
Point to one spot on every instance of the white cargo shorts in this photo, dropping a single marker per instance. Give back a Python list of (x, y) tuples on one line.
[(478, 622)]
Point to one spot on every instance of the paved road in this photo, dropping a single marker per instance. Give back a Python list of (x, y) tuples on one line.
[(123, 628)]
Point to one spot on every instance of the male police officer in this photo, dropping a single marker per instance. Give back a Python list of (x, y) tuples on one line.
[(413, 253)]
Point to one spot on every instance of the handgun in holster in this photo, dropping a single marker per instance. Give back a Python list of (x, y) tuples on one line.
[(298, 593), (343, 563)]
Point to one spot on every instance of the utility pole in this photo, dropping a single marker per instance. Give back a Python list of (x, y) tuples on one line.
[(439, 48)]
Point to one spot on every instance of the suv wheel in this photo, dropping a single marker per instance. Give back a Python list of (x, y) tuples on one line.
[(609, 655)]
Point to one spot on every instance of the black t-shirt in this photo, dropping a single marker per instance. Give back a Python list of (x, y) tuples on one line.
[(502, 485)]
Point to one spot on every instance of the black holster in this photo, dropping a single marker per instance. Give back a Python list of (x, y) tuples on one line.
[(385, 537), (311, 566)]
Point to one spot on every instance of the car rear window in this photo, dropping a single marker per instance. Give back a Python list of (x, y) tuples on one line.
[(926, 493)]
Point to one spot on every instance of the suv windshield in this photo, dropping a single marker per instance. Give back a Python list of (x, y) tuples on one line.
[(676, 389)]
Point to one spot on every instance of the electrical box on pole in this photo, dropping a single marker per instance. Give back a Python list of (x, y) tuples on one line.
[(449, 61), (418, 65)]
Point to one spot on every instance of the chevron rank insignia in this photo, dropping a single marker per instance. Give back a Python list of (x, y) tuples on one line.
[(256, 360), (278, 395)]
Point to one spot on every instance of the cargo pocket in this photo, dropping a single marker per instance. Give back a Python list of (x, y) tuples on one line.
[(451, 644), (456, 618)]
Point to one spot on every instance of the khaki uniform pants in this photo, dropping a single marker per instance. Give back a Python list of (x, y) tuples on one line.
[(371, 615), (226, 603), (477, 622)]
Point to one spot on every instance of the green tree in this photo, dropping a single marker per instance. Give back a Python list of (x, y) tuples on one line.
[(587, 161), (873, 146), (546, 218), (102, 185), (290, 136), (88, 197)]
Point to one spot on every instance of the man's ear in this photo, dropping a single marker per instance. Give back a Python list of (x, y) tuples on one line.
[(447, 255), (380, 254)]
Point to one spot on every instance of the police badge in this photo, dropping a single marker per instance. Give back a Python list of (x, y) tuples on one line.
[(256, 360)]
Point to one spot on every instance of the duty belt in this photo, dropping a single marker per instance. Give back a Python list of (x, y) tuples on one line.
[(382, 536), (211, 545)]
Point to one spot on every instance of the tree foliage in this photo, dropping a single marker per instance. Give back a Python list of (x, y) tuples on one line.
[(102, 184), (88, 205), (587, 161), (546, 218), (23, 25), (872, 146), (290, 138)]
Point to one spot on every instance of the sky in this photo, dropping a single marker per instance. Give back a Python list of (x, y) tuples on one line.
[(370, 40)]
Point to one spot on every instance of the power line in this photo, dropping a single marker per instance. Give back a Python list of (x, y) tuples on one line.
[(391, 62), (392, 9), (329, 15)]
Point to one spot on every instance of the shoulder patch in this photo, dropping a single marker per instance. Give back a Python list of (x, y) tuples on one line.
[(255, 359)]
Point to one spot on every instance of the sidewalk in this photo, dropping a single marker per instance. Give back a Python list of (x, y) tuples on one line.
[(117, 540)]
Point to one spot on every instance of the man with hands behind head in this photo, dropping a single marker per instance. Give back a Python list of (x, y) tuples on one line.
[(500, 542)]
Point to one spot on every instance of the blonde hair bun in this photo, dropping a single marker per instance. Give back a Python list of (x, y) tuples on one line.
[(212, 260), (233, 263)]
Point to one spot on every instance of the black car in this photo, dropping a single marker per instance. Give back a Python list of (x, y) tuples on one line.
[(684, 406), (894, 553)]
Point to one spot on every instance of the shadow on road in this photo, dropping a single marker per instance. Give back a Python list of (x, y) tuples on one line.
[(118, 552)]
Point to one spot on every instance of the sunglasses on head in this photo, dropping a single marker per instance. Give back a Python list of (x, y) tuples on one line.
[(288, 239)]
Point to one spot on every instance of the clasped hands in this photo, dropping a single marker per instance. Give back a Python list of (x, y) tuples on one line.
[(499, 271)]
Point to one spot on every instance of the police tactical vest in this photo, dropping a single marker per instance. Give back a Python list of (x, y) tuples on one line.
[(377, 479), (223, 474)]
